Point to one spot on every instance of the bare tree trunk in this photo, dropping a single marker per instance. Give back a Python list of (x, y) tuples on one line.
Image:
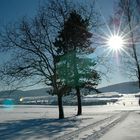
[(60, 107), (79, 111), (134, 48), (137, 64), (139, 79)]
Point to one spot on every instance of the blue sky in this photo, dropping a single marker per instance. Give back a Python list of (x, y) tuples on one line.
[(12, 10)]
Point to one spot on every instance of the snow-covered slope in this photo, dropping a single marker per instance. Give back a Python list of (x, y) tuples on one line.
[(125, 88)]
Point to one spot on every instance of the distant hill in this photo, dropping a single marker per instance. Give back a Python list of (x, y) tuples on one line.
[(125, 88), (41, 96), (19, 93)]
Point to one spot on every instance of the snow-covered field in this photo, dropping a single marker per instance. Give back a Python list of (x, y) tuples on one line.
[(129, 129), (119, 120), (109, 122)]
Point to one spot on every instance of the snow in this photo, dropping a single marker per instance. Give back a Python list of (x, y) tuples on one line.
[(32, 122), (129, 129), (118, 120)]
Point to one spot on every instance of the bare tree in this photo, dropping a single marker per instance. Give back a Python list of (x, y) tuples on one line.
[(127, 12), (30, 44), (33, 55)]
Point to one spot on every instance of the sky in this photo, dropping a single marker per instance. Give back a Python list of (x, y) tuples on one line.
[(12, 10)]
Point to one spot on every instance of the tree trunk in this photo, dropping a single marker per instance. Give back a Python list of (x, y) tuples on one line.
[(139, 80), (137, 64), (60, 107), (134, 48), (79, 111), (76, 83)]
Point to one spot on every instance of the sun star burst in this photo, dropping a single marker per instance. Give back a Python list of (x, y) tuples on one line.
[(115, 42)]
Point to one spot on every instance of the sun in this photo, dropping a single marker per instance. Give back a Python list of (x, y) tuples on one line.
[(115, 42)]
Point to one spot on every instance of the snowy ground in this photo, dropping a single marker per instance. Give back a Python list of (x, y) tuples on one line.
[(129, 129), (97, 122)]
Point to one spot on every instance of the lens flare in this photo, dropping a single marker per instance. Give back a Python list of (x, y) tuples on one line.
[(21, 99), (8, 104), (115, 38), (115, 42)]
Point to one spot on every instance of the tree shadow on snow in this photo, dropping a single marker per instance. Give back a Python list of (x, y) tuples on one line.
[(35, 128)]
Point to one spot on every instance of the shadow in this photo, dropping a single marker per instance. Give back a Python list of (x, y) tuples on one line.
[(35, 128)]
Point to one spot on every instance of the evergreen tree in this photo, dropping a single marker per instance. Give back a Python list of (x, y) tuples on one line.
[(75, 69)]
